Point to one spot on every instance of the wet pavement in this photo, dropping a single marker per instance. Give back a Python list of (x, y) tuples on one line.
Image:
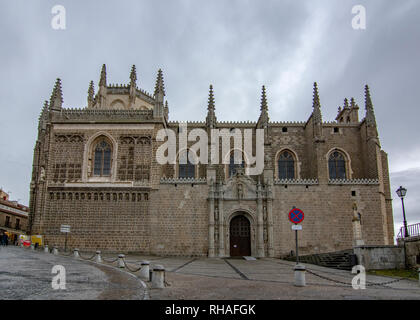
[(26, 274)]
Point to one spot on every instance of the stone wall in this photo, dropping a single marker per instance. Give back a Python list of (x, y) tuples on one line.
[(412, 247), (380, 257), (107, 219), (179, 220), (327, 226)]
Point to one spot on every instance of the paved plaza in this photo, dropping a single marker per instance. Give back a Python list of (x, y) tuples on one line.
[(26, 274)]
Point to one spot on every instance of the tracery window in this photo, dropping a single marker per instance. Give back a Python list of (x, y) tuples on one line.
[(102, 160), (286, 166), (337, 166), (233, 166), (186, 168)]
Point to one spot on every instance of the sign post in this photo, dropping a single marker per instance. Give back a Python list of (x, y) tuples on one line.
[(66, 229), (296, 216)]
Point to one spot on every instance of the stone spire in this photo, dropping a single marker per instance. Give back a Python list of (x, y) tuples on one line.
[(102, 80), (133, 76), (133, 86), (370, 115), (56, 100), (43, 117), (317, 117), (166, 110), (264, 108), (102, 92), (159, 95), (211, 115), (91, 94), (159, 87)]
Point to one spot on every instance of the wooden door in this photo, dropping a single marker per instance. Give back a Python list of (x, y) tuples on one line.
[(240, 237)]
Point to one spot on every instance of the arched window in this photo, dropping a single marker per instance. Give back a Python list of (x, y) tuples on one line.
[(186, 168), (337, 166), (102, 162), (233, 166), (286, 165)]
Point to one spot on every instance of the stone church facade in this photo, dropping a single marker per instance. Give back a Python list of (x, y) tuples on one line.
[(95, 169)]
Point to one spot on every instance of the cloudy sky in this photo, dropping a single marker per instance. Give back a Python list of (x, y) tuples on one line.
[(237, 46)]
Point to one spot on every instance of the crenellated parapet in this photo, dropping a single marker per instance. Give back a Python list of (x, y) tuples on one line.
[(296, 181), (354, 181), (183, 180), (102, 115)]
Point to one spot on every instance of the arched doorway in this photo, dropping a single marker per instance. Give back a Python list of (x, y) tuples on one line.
[(240, 236)]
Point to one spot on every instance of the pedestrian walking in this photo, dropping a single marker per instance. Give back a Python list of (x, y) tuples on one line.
[(5, 239)]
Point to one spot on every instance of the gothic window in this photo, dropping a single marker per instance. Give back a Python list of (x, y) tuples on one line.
[(186, 168), (286, 165), (337, 166), (233, 166), (102, 162)]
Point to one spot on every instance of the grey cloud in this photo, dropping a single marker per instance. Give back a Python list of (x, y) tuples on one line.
[(236, 45)]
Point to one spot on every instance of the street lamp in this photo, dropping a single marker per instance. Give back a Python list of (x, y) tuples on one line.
[(401, 193)]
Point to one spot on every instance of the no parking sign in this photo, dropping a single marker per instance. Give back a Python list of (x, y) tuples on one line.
[(296, 215)]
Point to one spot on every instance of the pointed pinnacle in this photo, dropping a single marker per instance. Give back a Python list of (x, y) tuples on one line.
[(133, 75), (368, 100), (45, 107), (370, 114), (316, 96), (91, 91), (264, 106), (352, 102), (102, 81), (211, 105), (159, 87), (57, 93), (316, 106), (346, 103)]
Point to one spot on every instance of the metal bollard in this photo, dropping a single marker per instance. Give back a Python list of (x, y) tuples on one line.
[(46, 249), (98, 257), (120, 260), (76, 253), (300, 271), (55, 251), (158, 277), (144, 271)]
